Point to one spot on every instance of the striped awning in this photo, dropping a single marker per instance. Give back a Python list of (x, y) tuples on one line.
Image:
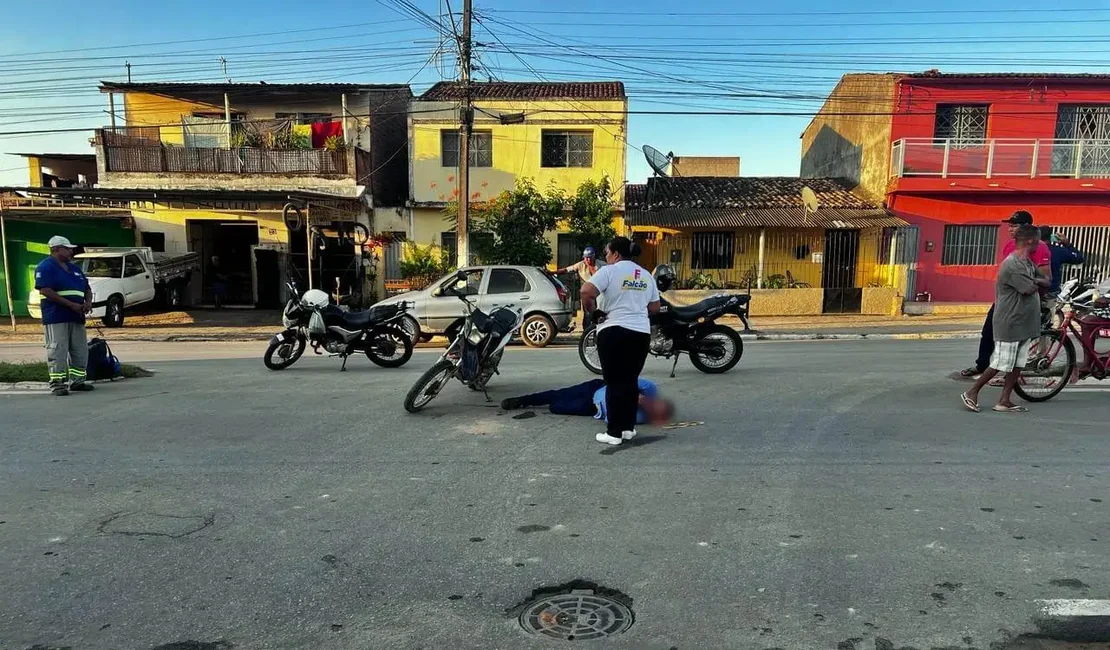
[(825, 218)]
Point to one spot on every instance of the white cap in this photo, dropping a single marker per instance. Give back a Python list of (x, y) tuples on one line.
[(58, 240)]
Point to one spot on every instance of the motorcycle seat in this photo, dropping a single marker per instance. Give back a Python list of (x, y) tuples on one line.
[(696, 310), (357, 320), (500, 322)]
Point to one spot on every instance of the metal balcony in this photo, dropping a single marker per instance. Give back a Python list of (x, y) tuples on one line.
[(1000, 158)]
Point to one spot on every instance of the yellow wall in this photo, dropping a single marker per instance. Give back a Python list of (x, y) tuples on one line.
[(171, 221), (857, 147), (143, 109), (34, 167), (516, 149)]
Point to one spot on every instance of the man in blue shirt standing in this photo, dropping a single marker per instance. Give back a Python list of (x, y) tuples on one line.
[(67, 297), (588, 398), (1062, 253)]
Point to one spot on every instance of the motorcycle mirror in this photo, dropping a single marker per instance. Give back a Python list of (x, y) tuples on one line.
[(461, 284)]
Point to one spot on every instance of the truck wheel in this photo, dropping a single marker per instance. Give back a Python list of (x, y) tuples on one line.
[(113, 312), (173, 294)]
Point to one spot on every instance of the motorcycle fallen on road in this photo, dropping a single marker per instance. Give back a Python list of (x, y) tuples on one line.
[(692, 330), (473, 355), (383, 333)]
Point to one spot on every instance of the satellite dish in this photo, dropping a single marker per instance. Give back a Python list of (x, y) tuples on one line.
[(809, 199), (657, 160)]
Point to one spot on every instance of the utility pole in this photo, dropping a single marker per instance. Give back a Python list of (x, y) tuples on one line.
[(466, 119)]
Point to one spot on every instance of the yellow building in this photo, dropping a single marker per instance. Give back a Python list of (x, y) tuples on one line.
[(556, 134), (729, 232)]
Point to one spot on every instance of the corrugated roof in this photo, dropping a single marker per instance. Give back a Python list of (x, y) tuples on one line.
[(178, 86), (451, 90)]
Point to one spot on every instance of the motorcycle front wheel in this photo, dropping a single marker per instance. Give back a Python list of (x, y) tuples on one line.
[(428, 386), (389, 348), (587, 351), (718, 350), (280, 356)]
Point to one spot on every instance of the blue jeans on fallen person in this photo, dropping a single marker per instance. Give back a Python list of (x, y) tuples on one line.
[(572, 400)]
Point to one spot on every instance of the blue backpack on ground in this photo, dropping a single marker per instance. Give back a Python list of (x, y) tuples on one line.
[(102, 363)]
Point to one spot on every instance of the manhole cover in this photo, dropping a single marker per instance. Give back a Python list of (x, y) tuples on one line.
[(580, 615)]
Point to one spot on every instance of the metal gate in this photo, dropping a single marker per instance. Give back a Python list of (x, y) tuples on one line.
[(906, 254), (393, 256), (1094, 243), (838, 276)]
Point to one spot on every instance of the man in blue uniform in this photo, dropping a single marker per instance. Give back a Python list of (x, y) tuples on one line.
[(67, 297)]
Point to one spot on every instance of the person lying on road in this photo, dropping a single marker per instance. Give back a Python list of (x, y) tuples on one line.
[(588, 398)]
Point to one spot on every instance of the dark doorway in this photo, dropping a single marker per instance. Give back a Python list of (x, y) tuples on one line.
[(267, 265), (231, 242), (838, 273)]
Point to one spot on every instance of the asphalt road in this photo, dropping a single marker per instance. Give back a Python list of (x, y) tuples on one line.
[(836, 496)]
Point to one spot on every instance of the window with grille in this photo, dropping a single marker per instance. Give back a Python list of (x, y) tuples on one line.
[(969, 245), (712, 250), (1082, 129), (567, 149), (481, 148), (963, 124)]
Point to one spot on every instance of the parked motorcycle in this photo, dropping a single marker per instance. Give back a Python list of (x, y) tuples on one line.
[(383, 333), (473, 356), (675, 330)]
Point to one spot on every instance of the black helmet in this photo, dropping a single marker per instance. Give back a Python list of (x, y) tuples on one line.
[(664, 277)]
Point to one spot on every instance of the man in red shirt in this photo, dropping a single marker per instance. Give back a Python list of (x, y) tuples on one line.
[(1042, 258)]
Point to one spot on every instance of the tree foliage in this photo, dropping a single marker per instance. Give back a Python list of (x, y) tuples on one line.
[(591, 214), (518, 221)]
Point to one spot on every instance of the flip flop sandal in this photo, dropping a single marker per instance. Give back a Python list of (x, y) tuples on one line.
[(1009, 409), (969, 403), (970, 372), (997, 382)]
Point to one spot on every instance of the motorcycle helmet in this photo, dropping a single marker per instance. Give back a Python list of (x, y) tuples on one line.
[(664, 277), (315, 298)]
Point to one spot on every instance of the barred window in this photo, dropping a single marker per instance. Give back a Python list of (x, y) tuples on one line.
[(481, 148), (961, 123), (969, 245), (712, 250), (567, 149)]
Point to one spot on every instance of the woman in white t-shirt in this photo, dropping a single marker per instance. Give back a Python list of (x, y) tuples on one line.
[(628, 295)]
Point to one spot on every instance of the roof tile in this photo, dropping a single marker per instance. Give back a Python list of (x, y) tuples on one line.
[(450, 90)]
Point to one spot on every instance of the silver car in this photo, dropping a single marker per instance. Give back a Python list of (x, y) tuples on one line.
[(544, 300)]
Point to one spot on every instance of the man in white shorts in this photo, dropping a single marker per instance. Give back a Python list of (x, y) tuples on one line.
[(1016, 321)]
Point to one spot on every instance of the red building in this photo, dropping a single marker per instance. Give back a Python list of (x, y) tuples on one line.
[(955, 154)]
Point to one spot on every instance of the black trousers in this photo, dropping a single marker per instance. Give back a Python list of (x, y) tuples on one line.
[(572, 400), (623, 353), (986, 343)]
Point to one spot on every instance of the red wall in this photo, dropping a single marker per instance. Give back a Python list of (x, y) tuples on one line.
[(1019, 108), (976, 283)]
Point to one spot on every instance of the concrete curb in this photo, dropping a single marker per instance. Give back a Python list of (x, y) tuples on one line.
[(823, 336), (1076, 620)]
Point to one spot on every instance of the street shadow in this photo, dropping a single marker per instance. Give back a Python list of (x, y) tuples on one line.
[(638, 441)]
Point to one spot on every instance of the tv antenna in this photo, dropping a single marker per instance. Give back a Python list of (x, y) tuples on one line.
[(657, 160), (809, 201)]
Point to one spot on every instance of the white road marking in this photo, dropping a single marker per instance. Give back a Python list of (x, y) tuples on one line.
[(1072, 607)]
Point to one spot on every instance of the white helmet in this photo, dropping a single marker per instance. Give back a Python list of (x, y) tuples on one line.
[(315, 298)]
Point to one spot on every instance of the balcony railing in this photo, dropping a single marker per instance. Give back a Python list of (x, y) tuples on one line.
[(1000, 158), (141, 153)]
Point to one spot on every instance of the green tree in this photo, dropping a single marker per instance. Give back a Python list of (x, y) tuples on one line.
[(518, 221), (591, 214)]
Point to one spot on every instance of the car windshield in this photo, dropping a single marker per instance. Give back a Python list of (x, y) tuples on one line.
[(102, 267)]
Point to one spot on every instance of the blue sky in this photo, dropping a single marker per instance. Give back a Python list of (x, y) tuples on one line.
[(715, 55)]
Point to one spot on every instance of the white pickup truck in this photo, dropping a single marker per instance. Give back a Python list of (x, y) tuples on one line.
[(125, 277)]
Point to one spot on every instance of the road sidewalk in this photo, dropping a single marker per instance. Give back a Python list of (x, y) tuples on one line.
[(260, 325)]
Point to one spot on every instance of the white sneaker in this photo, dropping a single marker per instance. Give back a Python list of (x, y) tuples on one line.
[(607, 439), (628, 435)]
